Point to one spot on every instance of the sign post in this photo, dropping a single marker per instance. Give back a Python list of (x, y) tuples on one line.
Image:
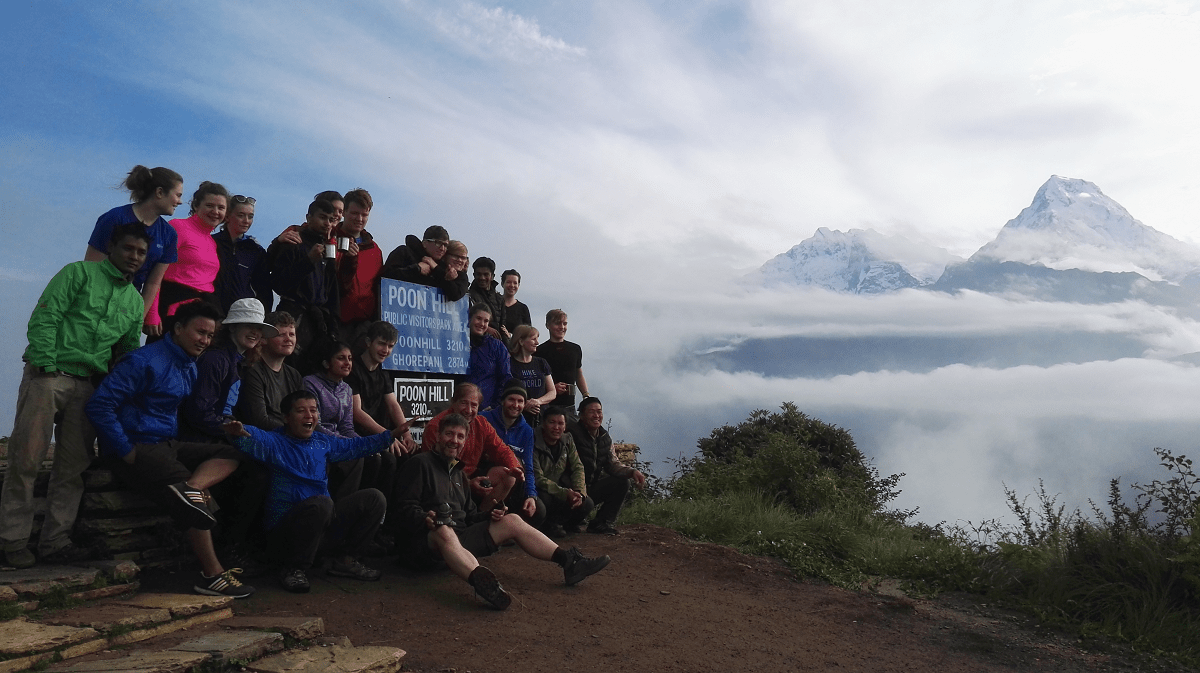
[(433, 339), (433, 332)]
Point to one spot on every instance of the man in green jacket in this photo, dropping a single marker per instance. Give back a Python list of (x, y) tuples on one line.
[(88, 313), (560, 476)]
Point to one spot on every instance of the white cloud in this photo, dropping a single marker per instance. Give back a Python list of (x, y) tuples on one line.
[(499, 32)]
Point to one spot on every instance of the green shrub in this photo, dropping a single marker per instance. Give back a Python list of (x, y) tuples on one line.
[(804, 463)]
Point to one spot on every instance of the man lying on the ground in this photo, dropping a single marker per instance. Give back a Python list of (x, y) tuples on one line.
[(606, 476), (300, 513), (135, 412), (560, 476), (491, 466), (512, 429), (459, 533)]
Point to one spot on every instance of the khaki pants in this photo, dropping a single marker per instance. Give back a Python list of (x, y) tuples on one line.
[(39, 399)]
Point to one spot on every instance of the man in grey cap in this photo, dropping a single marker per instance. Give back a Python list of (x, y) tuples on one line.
[(420, 261)]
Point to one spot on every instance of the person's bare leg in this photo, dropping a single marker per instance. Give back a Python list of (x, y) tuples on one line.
[(202, 546), (502, 483), (212, 472), (460, 561), (529, 539)]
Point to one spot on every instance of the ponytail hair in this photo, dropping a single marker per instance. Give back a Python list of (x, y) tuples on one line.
[(143, 183)]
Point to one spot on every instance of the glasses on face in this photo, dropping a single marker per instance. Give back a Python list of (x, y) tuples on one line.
[(238, 198), (440, 244)]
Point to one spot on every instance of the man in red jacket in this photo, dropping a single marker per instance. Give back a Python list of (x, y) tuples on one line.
[(358, 267), (492, 467)]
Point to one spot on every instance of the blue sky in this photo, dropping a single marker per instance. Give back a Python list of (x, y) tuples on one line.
[(633, 158)]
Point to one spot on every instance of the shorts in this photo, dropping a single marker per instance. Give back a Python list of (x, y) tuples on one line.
[(156, 466), (476, 538)]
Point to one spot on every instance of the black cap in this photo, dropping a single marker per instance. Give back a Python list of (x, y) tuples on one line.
[(514, 387)]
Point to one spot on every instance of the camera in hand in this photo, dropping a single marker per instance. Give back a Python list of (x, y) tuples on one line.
[(444, 517)]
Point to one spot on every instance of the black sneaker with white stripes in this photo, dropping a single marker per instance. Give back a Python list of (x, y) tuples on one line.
[(191, 507), (224, 584)]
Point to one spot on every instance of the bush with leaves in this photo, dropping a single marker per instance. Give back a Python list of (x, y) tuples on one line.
[(801, 461)]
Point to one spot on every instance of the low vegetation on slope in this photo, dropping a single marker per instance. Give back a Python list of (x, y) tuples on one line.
[(789, 486)]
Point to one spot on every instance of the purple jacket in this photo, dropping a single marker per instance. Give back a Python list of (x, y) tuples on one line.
[(335, 401)]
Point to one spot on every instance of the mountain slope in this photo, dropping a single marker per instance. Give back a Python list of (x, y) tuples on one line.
[(1071, 224), (859, 261)]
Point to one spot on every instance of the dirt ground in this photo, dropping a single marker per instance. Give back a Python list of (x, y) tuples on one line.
[(669, 604)]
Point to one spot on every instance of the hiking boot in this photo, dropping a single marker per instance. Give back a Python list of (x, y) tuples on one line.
[(602, 528), (554, 531), (20, 559), (355, 570), (294, 580), (224, 584), (578, 566), (488, 588), (571, 528), (67, 555), (191, 507)]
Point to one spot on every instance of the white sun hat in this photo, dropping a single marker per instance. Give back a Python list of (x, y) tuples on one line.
[(250, 312)]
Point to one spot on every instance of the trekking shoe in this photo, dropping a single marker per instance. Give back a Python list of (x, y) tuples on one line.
[(554, 531), (68, 555), (224, 584), (488, 588), (355, 570), (191, 506), (602, 528), (294, 580), (578, 566), (20, 559), (571, 528)]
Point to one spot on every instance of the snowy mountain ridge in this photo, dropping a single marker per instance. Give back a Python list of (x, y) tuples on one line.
[(860, 261), (1071, 225)]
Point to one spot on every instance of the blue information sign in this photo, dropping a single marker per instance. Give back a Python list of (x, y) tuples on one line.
[(433, 332)]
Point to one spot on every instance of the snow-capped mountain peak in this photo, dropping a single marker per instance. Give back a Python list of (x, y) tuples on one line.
[(1071, 224), (861, 261)]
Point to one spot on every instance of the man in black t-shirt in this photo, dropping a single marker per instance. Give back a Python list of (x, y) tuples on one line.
[(376, 408), (566, 363), (375, 405)]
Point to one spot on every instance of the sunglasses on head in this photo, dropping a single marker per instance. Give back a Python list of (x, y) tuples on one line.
[(238, 198)]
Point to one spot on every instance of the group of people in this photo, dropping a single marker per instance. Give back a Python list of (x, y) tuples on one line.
[(287, 416)]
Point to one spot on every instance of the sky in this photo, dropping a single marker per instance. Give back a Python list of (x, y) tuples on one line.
[(635, 159)]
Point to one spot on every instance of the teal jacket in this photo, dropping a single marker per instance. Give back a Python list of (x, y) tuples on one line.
[(85, 310)]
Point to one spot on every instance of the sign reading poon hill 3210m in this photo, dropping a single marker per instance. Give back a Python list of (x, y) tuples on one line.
[(433, 332)]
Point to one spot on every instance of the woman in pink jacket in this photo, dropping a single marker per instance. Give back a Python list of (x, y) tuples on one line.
[(191, 277)]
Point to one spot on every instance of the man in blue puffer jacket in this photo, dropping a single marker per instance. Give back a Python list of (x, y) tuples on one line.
[(135, 411)]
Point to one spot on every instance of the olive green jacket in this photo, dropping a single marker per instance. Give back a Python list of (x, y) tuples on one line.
[(557, 474)]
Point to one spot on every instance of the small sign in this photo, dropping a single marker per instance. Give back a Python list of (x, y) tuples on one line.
[(433, 335), (422, 399)]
